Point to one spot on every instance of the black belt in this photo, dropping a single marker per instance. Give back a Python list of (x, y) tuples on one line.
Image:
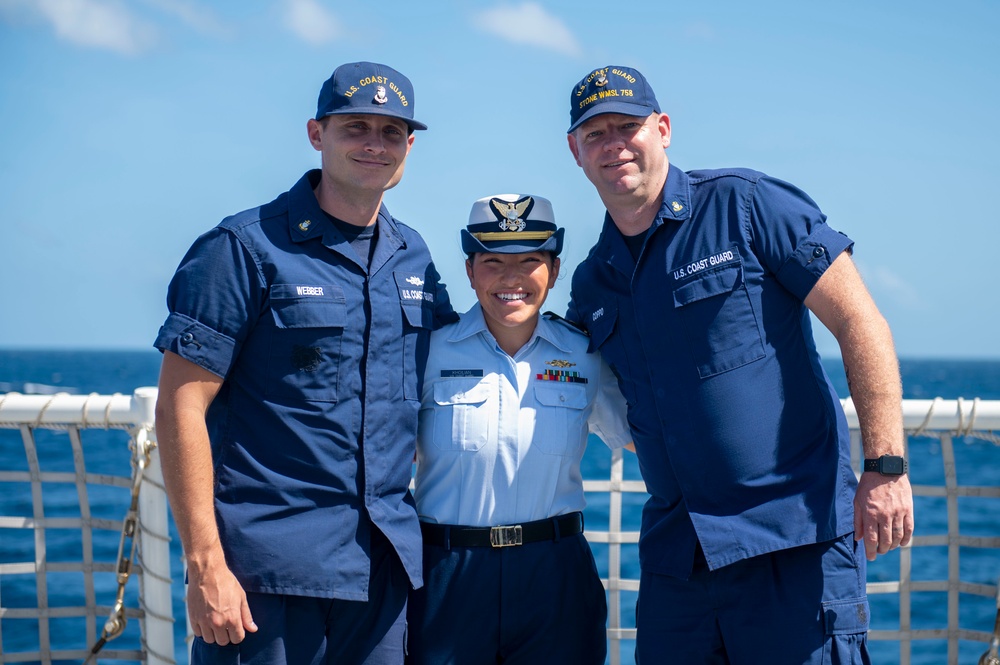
[(448, 535)]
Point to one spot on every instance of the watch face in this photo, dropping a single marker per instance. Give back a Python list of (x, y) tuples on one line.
[(892, 465)]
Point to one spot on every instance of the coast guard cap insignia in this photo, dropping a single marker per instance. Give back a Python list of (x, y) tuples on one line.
[(380, 97), (560, 363), (305, 224), (415, 281), (601, 81), (677, 207), (511, 213)]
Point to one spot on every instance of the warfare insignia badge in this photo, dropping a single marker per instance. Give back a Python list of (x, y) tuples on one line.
[(380, 97), (677, 207), (601, 81), (560, 363), (415, 281), (305, 224), (511, 214)]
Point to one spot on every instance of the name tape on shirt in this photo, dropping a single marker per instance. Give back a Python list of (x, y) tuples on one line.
[(715, 260), (413, 287), (461, 373), (416, 294)]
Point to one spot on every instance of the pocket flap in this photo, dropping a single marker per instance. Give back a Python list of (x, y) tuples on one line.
[(715, 283), (600, 324), (566, 395), (461, 391), (846, 617), (418, 315), (297, 306)]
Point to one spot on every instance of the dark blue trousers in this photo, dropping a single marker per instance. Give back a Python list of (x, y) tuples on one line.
[(299, 630), (537, 603), (805, 605)]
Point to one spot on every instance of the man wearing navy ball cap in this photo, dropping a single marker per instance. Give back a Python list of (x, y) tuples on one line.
[(698, 294), (294, 351)]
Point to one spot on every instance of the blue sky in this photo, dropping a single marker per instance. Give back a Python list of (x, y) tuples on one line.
[(127, 128)]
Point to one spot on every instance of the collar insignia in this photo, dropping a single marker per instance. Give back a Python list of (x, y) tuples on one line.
[(380, 97), (305, 224), (415, 281), (560, 363), (677, 207), (511, 213), (601, 81)]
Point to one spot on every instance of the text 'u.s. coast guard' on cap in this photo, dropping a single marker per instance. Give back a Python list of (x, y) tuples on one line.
[(611, 89), (367, 88)]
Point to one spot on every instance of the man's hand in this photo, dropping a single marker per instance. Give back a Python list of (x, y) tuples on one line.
[(883, 513), (217, 605)]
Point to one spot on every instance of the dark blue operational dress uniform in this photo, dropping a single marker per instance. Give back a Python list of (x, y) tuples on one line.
[(314, 427), (741, 439)]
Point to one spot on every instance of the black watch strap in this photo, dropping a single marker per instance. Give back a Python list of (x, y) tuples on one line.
[(887, 465)]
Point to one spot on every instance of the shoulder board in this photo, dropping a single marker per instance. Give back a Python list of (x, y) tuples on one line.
[(552, 316)]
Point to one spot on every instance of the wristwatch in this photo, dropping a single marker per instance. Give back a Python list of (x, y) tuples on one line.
[(887, 465)]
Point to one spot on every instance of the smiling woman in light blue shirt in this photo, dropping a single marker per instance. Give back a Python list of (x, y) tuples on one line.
[(508, 400)]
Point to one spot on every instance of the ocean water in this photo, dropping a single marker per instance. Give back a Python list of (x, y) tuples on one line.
[(978, 463)]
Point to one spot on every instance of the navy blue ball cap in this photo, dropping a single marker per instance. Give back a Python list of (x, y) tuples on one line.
[(611, 89), (512, 224), (367, 88)]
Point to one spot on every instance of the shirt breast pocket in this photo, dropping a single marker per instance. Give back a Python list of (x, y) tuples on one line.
[(560, 417), (464, 414), (719, 321), (304, 361)]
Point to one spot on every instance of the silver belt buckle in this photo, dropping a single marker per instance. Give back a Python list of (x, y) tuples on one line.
[(505, 536)]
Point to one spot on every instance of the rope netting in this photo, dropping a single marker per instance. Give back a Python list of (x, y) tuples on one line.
[(75, 531)]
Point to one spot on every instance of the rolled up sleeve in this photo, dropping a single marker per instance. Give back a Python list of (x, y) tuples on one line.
[(213, 300)]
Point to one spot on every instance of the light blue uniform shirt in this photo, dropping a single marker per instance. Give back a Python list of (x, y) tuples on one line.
[(500, 439)]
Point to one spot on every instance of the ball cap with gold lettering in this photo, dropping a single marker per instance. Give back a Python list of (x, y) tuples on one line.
[(512, 224), (611, 89), (367, 88)]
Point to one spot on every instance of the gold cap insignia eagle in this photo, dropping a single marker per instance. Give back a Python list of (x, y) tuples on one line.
[(560, 363), (510, 213), (511, 221)]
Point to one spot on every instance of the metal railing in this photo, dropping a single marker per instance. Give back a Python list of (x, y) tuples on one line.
[(943, 420)]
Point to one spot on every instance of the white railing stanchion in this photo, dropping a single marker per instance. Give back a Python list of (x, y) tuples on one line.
[(155, 580)]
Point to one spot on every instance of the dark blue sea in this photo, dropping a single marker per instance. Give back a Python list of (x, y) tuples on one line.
[(978, 463)]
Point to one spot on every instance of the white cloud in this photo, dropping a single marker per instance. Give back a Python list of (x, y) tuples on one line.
[(101, 24), (528, 23), (189, 13), (310, 21)]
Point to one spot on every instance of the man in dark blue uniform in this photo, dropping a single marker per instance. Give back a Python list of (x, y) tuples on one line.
[(287, 414), (698, 295)]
